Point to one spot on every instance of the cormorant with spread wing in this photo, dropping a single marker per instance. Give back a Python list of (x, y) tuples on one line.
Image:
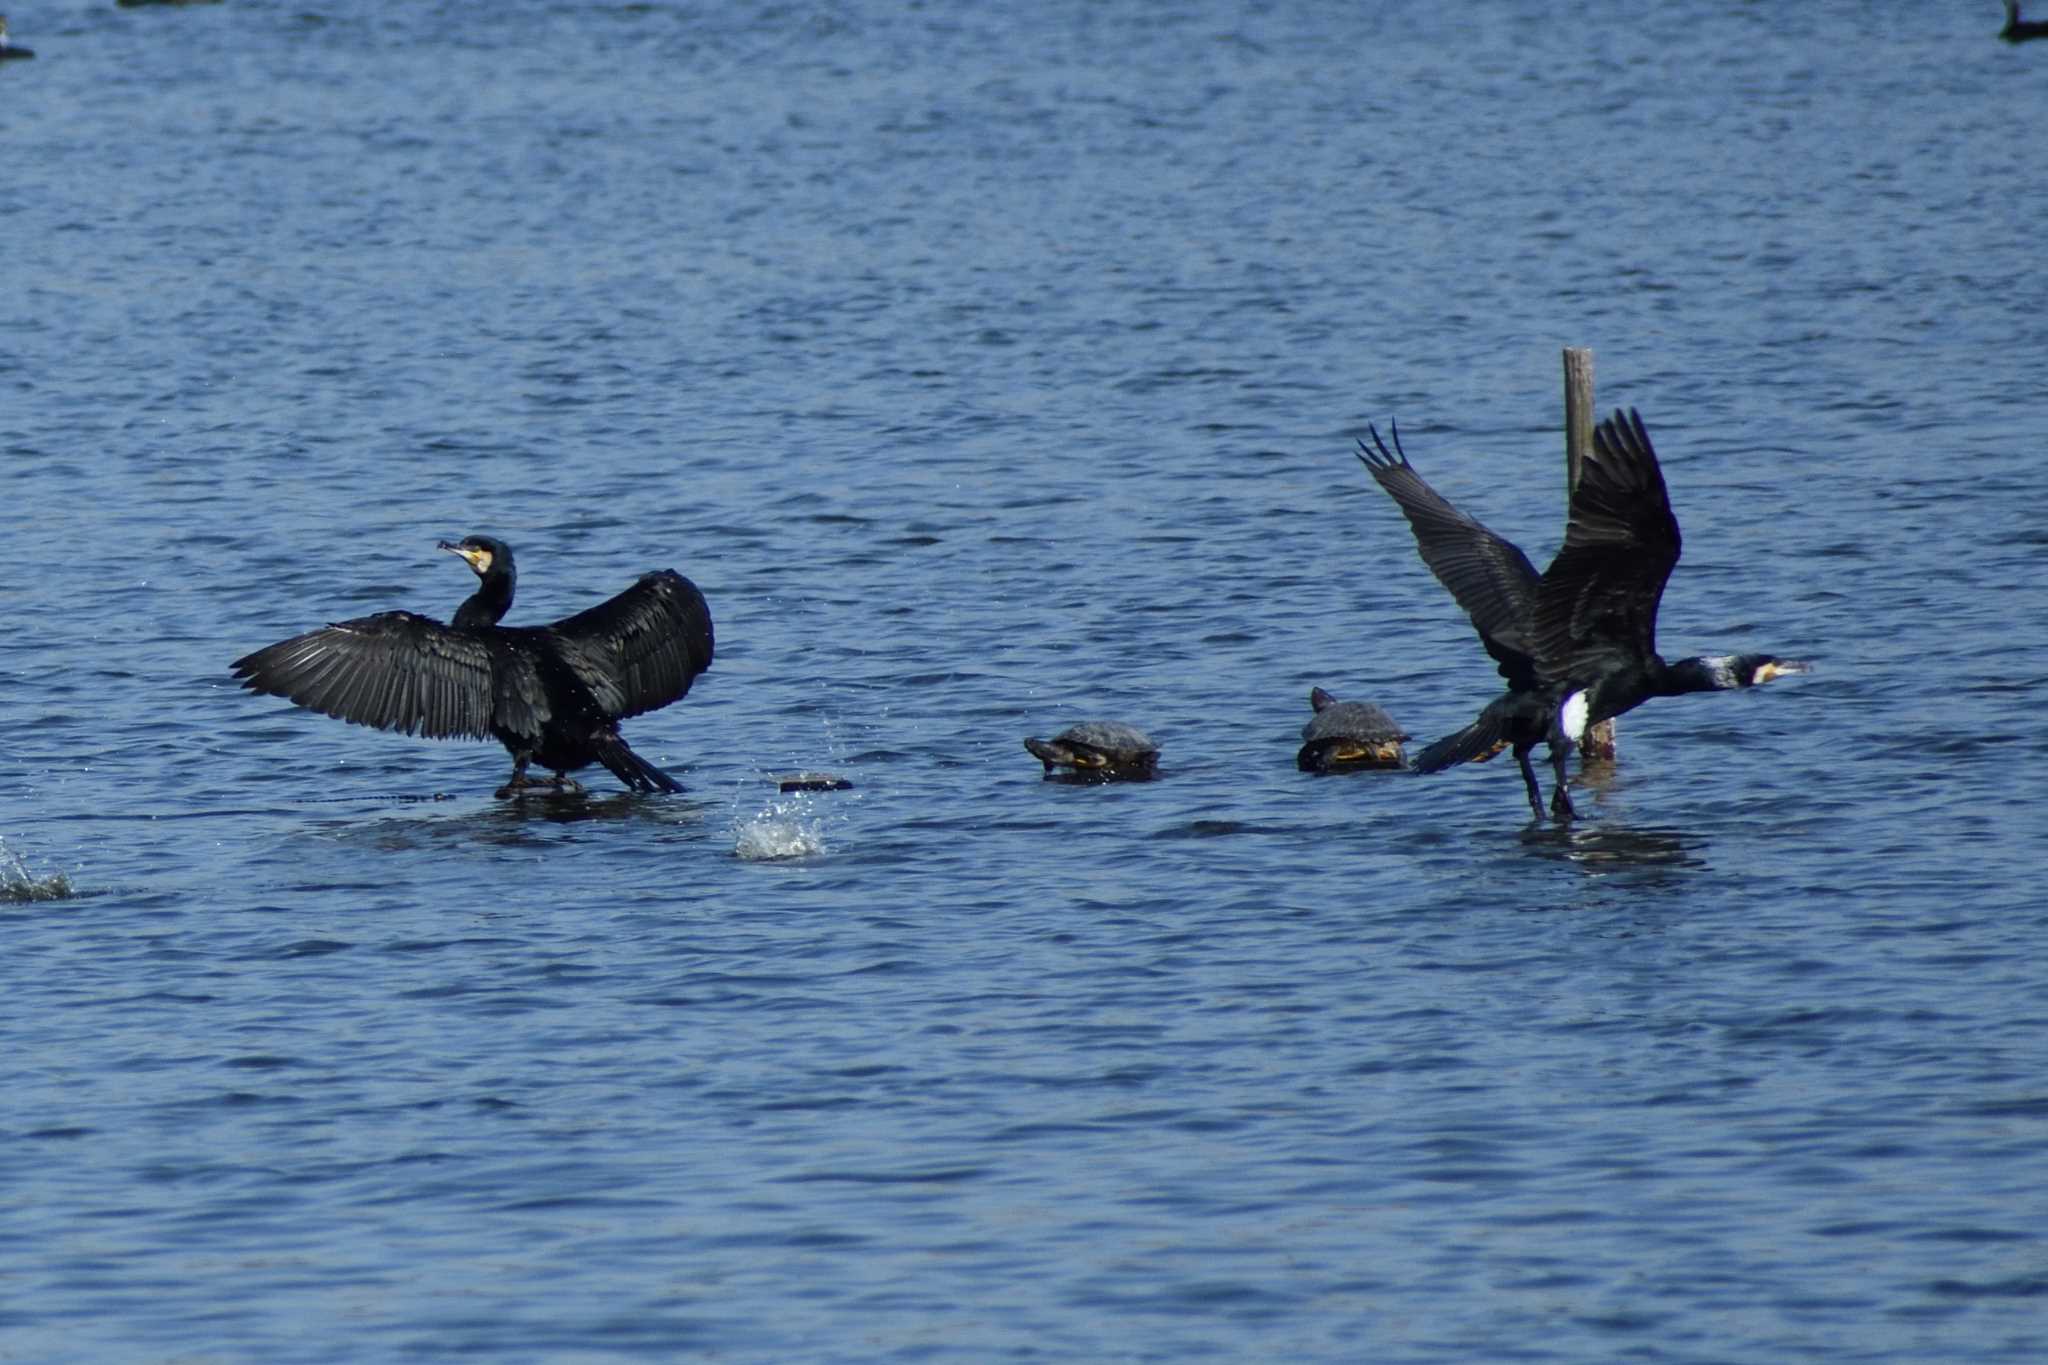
[(1588, 624), (553, 695), (1496, 585)]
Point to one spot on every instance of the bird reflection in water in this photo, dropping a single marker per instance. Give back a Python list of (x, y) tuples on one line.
[(1614, 848)]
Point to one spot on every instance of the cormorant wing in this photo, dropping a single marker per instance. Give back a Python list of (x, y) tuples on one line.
[(642, 649), (1489, 576), (393, 671), (1599, 596)]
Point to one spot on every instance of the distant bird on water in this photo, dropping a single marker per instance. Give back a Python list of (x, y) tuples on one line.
[(1589, 625), (8, 49), (552, 695), (2018, 30)]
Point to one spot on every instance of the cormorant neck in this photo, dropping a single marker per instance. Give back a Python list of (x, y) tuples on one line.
[(1702, 673), (489, 603)]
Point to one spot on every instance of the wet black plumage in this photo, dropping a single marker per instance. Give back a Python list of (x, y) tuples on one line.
[(1578, 645), (1596, 605), (1488, 575), (553, 695)]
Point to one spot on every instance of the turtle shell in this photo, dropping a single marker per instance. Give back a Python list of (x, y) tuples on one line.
[(1097, 748), (1344, 735)]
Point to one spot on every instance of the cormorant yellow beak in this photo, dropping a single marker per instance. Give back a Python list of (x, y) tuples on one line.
[(1781, 668), (478, 557)]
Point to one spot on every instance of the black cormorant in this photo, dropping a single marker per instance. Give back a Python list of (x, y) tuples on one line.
[(8, 49), (2018, 30), (1590, 624), (553, 695)]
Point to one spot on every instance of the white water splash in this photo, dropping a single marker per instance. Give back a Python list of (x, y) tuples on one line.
[(18, 884), (783, 829)]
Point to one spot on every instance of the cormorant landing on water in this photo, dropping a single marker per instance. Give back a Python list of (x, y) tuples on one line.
[(553, 695), (1579, 644), (2018, 30)]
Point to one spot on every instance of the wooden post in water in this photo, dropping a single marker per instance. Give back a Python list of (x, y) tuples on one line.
[(1597, 742)]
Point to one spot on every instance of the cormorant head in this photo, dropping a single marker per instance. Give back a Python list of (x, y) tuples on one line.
[(485, 554), (492, 560), (1752, 670), (1769, 666)]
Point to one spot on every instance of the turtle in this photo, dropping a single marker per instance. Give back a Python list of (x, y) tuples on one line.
[(1097, 751), (1344, 736)]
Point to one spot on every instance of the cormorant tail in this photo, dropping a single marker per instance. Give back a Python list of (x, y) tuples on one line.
[(631, 769), (1482, 739)]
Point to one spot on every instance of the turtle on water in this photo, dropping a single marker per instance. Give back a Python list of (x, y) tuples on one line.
[(1097, 750), (1344, 736)]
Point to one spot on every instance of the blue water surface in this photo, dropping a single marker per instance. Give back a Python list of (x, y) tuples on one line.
[(993, 368)]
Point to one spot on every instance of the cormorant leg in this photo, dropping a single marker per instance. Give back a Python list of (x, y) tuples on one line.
[(1529, 776), (517, 780), (567, 784), (1560, 798)]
